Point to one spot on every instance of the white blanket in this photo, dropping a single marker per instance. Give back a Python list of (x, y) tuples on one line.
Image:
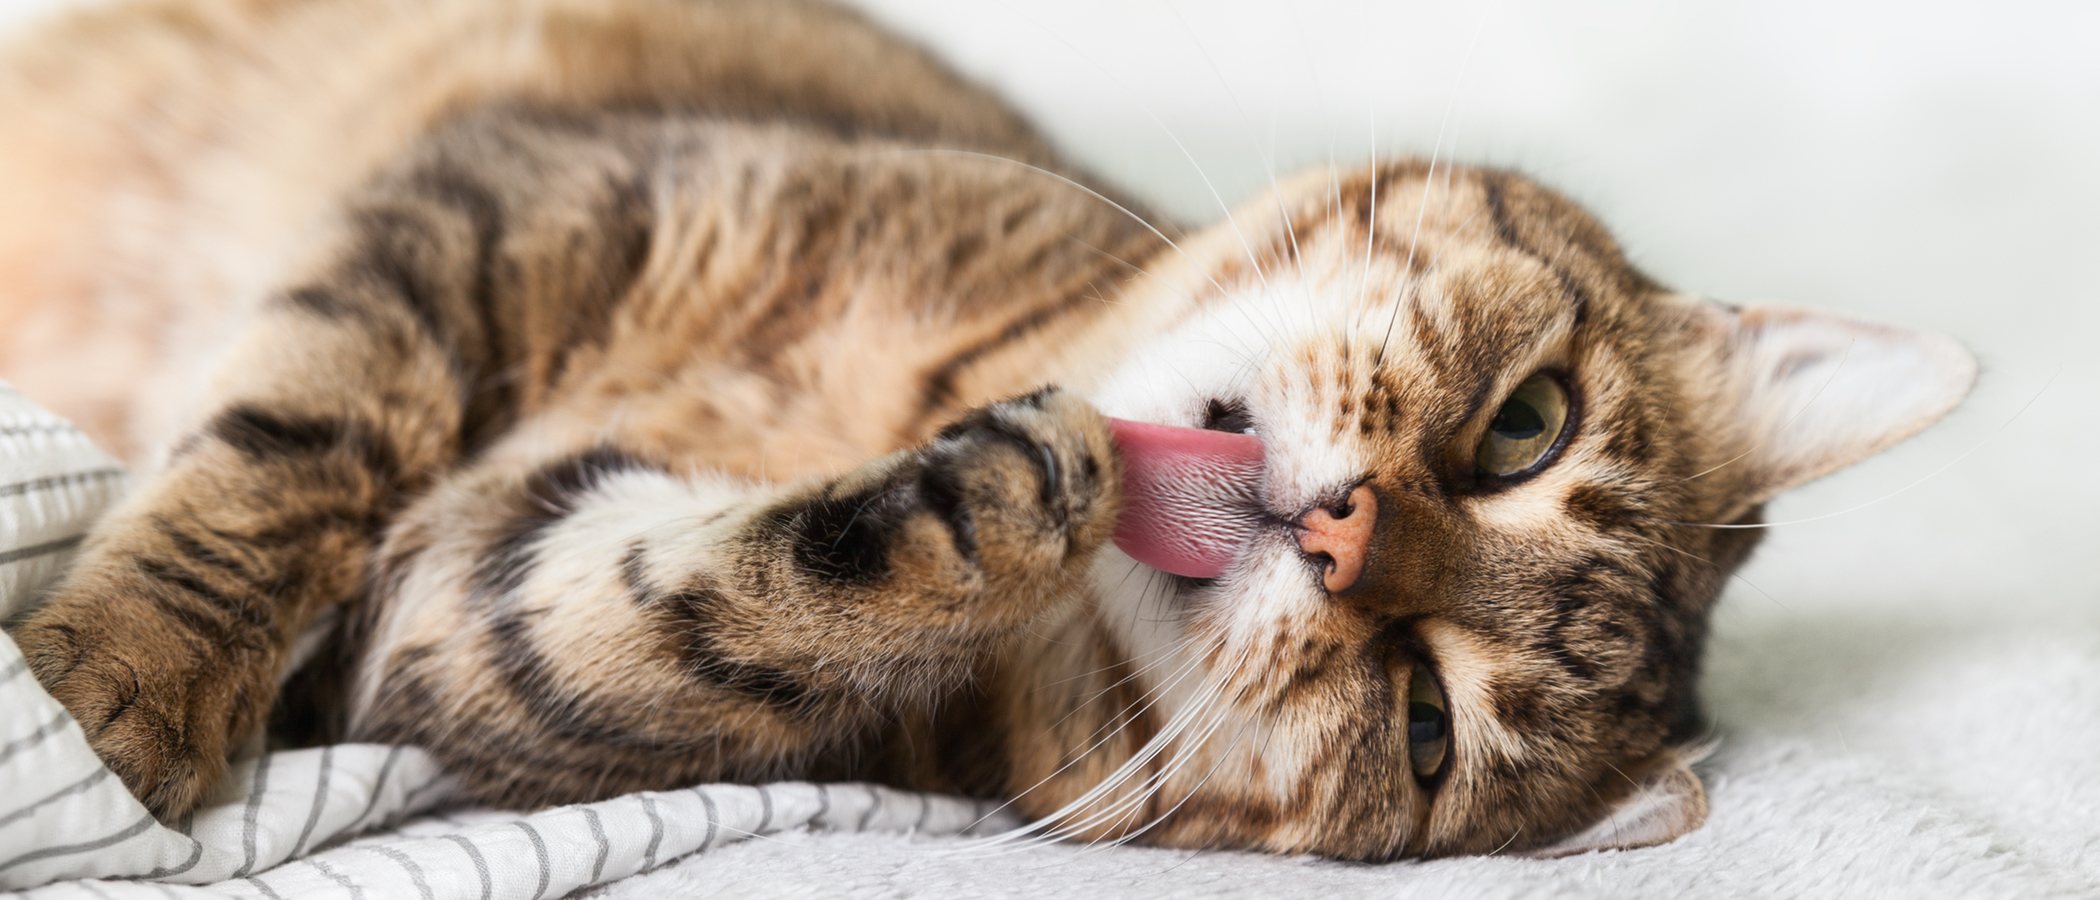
[(356, 820)]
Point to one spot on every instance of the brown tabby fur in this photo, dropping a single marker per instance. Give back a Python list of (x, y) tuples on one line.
[(630, 380)]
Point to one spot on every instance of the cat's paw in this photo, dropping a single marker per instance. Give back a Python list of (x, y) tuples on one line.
[(1028, 485), (158, 719), (1010, 502)]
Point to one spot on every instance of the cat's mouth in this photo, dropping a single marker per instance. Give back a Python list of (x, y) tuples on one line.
[(1191, 496)]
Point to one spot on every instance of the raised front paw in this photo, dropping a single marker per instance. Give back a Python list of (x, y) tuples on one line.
[(157, 705), (1010, 501), (1026, 485)]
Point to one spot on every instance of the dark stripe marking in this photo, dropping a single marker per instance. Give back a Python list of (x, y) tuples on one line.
[(262, 435), (693, 616)]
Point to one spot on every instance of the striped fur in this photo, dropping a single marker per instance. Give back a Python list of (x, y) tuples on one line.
[(674, 390)]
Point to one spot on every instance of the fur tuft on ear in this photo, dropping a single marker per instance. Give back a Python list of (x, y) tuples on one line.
[(1668, 803), (1808, 393)]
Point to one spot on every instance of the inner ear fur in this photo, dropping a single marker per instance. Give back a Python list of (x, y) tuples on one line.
[(1802, 393)]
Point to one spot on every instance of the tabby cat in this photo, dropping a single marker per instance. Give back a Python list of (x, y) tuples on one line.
[(663, 391)]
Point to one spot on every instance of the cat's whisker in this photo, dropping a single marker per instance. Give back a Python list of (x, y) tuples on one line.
[(1175, 768), (1222, 758), (1152, 699), (1230, 221), (1505, 844), (1412, 286), (1429, 181), (1363, 285), (1319, 95), (1246, 370), (1222, 293), (1268, 737), (1058, 826), (1244, 352), (1221, 707), (1160, 657), (1181, 757), (1935, 473), (1783, 426), (1268, 162), (1738, 576), (1053, 826)]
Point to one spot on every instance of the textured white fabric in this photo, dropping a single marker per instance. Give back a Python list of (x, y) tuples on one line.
[(53, 481), (351, 817)]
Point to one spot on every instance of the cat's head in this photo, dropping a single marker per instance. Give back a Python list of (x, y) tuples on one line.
[(1560, 452)]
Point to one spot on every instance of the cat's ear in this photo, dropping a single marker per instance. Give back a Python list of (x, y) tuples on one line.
[(1806, 393), (1668, 803)]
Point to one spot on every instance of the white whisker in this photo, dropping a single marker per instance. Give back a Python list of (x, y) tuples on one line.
[(1935, 473), (1429, 180), (1783, 426)]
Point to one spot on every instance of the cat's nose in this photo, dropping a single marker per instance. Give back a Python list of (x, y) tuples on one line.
[(1340, 537)]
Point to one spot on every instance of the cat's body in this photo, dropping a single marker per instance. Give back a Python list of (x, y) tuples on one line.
[(611, 367)]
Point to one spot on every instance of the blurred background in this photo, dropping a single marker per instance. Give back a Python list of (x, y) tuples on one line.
[(1934, 164)]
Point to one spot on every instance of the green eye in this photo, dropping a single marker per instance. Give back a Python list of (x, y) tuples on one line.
[(1525, 429), (1428, 724)]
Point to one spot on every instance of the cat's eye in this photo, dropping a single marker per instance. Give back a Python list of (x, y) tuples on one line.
[(1428, 724), (1526, 430), (1228, 416)]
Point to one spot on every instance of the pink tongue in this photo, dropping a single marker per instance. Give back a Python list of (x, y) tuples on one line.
[(1188, 496)]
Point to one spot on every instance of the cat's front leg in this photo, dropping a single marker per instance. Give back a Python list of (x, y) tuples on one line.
[(566, 628), (344, 393)]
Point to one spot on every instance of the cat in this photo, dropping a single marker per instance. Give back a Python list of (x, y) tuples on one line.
[(665, 391)]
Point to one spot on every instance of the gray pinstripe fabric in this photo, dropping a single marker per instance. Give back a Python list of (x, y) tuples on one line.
[(604, 845), (38, 551), (54, 725), (74, 788), (823, 808), (874, 806), (481, 864), (656, 833), (36, 428), (539, 851), (356, 893), (378, 784), (264, 888), (255, 799), (415, 872), (196, 855), (45, 484), (313, 816), (714, 818), (129, 832)]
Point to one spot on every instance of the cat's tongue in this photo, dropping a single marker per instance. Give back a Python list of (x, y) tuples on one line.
[(1190, 496)]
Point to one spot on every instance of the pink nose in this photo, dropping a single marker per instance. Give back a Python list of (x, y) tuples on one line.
[(1342, 535)]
